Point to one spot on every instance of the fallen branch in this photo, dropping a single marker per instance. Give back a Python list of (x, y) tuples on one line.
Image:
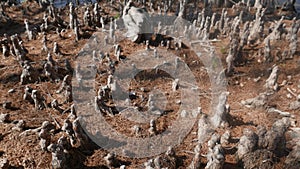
[(291, 92)]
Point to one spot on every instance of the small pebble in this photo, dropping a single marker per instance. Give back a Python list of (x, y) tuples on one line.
[(289, 96), (19, 126), (256, 79)]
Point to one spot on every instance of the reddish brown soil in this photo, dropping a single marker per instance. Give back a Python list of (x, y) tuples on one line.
[(25, 151)]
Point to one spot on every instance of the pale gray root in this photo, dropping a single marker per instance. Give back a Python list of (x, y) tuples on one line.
[(197, 158), (271, 82), (277, 31), (136, 21), (247, 143), (19, 126), (221, 111), (215, 157), (256, 102), (58, 156), (110, 160), (4, 118), (29, 74), (4, 163), (68, 128), (292, 160), (45, 139), (225, 138), (257, 27), (274, 139), (294, 105), (262, 159), (152, 129), (204, 128), (39, 100)]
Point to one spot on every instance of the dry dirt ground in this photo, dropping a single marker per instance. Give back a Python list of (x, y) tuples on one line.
[(24, 151)]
